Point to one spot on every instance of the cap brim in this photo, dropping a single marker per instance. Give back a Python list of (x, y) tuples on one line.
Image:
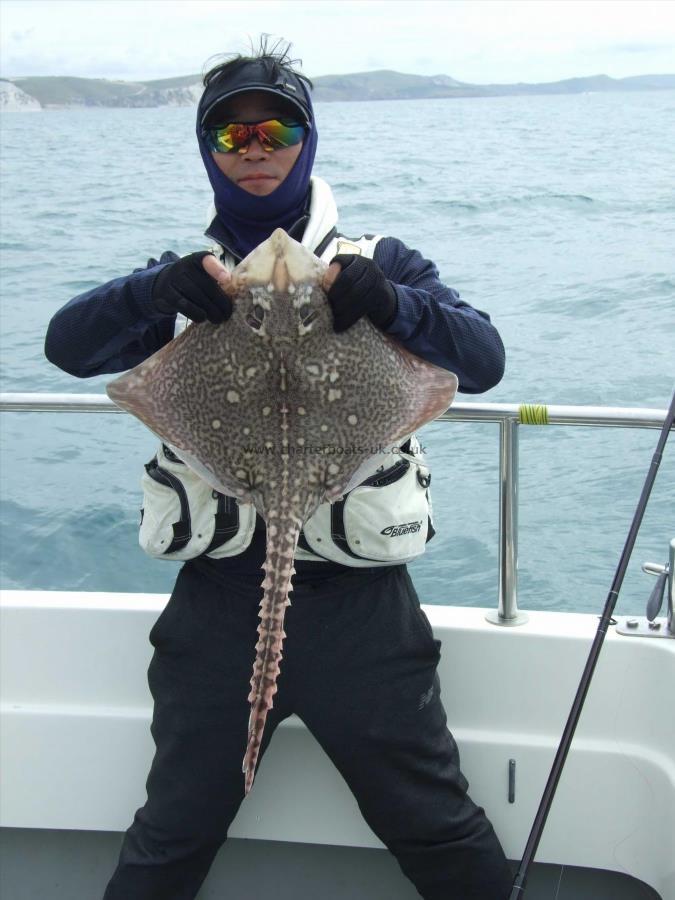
[(283, 97)]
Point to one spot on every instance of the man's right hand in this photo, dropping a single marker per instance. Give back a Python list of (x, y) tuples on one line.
[(195, 286)]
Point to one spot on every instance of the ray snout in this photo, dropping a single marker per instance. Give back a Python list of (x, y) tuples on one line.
[(280, 261)]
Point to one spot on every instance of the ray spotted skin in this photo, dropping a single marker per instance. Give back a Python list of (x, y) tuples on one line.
[(276, 409)]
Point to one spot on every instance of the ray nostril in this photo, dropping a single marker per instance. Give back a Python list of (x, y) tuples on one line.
[(255, 317), (307, 314)]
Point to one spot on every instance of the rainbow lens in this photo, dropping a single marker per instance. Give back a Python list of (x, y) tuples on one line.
[(236, 137)]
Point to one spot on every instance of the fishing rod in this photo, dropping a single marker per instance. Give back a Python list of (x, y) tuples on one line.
[(605, 620)]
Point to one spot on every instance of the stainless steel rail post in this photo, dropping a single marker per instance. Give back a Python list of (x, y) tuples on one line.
[(507, 612)]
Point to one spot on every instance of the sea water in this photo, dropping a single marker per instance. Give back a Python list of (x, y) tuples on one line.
[(556, 215)]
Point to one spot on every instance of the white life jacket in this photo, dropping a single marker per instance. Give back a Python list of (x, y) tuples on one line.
[(385, 520)]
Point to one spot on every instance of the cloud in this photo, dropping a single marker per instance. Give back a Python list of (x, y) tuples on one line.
[(640, 47), (374, 62), (19, 36), (482, 42)]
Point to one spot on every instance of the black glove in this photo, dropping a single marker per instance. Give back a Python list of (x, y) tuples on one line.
[(361, 289), (184, 287)]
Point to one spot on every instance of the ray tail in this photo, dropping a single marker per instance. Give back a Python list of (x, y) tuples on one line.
[(282, 538)]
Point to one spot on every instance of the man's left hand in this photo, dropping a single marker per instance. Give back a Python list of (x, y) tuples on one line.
[(355, 287)]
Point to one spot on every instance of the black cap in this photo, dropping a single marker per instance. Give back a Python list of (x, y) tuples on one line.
[(256, 76)]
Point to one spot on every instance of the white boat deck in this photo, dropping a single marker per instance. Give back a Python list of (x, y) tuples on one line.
[(76, 746)]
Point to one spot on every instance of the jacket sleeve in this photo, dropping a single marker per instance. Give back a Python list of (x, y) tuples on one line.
[(110, 328), (435, 324)]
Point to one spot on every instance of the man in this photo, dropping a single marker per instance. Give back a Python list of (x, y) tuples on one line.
[(359, 653)]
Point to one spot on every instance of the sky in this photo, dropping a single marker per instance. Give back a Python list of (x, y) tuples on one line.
[(478, 41)]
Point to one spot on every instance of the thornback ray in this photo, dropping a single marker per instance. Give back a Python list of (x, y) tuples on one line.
[(274, 408)]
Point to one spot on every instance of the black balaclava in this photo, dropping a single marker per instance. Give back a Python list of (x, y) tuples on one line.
[(247, 219)]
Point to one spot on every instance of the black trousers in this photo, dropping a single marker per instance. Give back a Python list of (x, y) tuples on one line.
[(359, 669)]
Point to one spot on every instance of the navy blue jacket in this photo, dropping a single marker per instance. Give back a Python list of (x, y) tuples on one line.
[(114, 327)]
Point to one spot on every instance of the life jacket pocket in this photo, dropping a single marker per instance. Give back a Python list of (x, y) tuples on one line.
[(386, 520), (182, 517)]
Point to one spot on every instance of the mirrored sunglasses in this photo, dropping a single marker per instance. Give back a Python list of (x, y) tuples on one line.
[(236, 137)]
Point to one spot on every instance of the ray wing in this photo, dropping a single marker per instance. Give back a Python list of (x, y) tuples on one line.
[(191, 394), (368, 394)]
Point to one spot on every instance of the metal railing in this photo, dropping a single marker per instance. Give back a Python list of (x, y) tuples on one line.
[(509, 416)]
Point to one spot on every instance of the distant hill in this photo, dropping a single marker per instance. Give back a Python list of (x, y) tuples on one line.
[(53, 92), (386, 85), (56, 91)]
